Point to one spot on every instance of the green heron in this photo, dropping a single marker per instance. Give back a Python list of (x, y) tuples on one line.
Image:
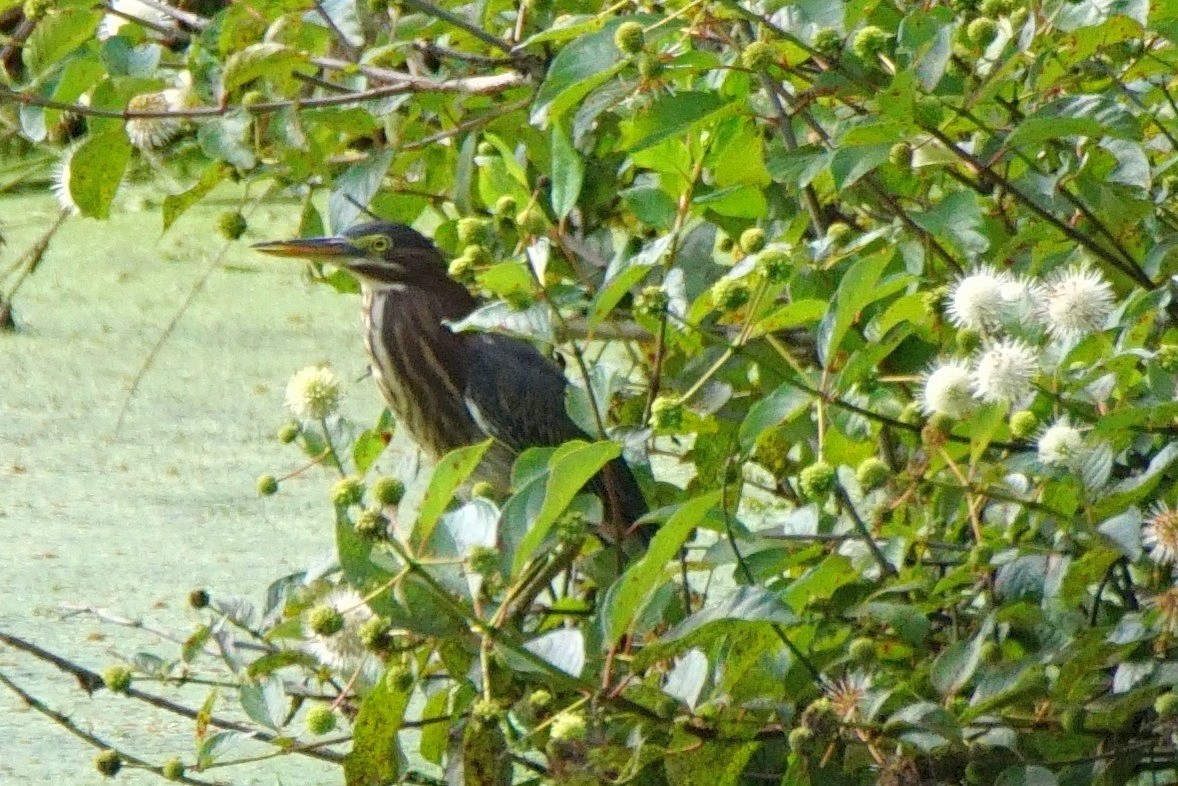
[(450, 389)]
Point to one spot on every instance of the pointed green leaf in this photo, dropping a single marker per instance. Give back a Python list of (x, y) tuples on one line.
[(96, 170)]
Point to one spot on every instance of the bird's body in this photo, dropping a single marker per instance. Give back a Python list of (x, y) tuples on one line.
[(451, 389)]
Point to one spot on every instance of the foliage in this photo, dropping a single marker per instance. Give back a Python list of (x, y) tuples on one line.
[(821, 252)]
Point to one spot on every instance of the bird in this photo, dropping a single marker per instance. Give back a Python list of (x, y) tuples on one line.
[(450, 389)]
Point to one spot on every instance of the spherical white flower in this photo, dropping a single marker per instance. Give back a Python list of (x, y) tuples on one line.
[(1060, 444), (948, 390), (59, 181), (344, 651), (1076, 302), (976, 302), (313, 393), (1160, 535), (149, 133), (1004, 371)]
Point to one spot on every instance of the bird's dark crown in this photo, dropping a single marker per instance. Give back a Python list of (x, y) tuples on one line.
[(393, 253)]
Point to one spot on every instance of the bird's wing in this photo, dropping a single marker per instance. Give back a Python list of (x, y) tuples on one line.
[(516, 395)]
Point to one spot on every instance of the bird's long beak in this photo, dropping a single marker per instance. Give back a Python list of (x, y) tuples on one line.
[(328, 249)]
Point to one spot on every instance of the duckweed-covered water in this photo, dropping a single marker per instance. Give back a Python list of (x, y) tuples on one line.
[(131, 521)]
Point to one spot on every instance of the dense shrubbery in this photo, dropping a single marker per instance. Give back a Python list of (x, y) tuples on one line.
[(884, 289)]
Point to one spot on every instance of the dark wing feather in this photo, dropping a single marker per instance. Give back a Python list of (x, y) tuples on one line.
[(516, 395)]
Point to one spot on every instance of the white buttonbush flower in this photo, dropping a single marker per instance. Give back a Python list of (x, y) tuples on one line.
[(976, 301), (1159, 536), (343, 651), (1004, 371), (59, 182), (1061, 444), (948, 390), (149, 133), (1076, 302), (313, 393)]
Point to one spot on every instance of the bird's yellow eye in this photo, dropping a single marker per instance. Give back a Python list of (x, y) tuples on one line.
[(379, 244)]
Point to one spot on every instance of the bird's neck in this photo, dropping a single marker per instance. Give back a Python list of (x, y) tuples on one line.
[(444, 298)]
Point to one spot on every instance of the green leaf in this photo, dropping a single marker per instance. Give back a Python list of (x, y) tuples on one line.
[(224, 138), (376, 752), (563, 648), (176, 204), (849, 164), (568, 171), (96, 170), (264, 701), (800, 166), (782, 405), (1082, 115), (672, 116), (692, 762), (355, 188), (569, 469), (274, 62), (857, 288), (744, 604), (368, 447), (450, 473), (58, 34), (482, 760), (624, 599), (1024, 775), (577, 70), (955, 666)]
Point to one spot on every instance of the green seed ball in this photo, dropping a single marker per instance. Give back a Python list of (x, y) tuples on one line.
[(828, 41), (477, 253), (1023, 424), (568, 726), (374, 634), (289, 432), (473, 230), (108, 763), (839, 234), (371, 524), (198, 598), (505, 205), (483, 560), (253, 98), (652, 302), (901, 155), (666, 413), (320, 720), (752, 240), (872, 473), (730, 294), (461, 269), (649, 66), (231, 225), (483, 490), (801, 741), (540, 699), (172, 770), (816, 480), (1018, 18), (117, 678), (531, 220), (630, 38), (267, 485), (1166, 705), (862, 650), (1167, 358), (485, 149), (774, 265), (325, 620), (982, 31), (870, 42), (388, 491), (399, 679), (347, 492), (486, 711), (758, 56)]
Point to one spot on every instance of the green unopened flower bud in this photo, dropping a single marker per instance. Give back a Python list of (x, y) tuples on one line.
[(231, 225), (399, 679), (630, 38), (483, 560), (569, 727), (486, 711), (839, 234), (371, 524), (1018, 18), (347, 491), (572, 527), (666, 414), (387, 490), (758, 56), (774, 265), (729, 294), (981, 32), (474, 230), (476, 253), (505, 205), (198, 598), (540, 699), (828, 41), (461, 269), (374, 634), (108, 763), (991, 652), (289, 432), (267, 485), (1167, 358), (484, 149), (752, 240), (325, 620), (1166, 705), (172, 770), (870, 42), (1023, 424), (320, 720), (649, 66), (532, 220), (117, 678), (862, 650), (816, 480), (651, 302), (872, 473), (253, 98), (901, 155), (483, 489), (801, 741)]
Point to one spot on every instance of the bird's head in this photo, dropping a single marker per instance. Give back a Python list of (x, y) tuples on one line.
[(379, 253)]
